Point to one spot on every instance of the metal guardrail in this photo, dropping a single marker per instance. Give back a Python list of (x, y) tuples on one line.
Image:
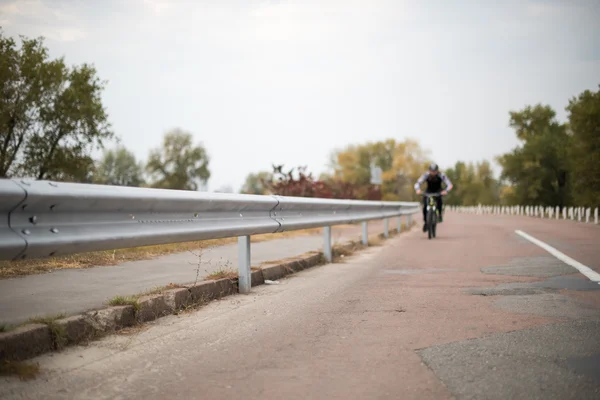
[(44, 218)]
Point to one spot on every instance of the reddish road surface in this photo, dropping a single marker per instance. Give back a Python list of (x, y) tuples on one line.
[(479, 313)]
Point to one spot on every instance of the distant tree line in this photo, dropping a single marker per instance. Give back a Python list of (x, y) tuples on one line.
[(555, 164)]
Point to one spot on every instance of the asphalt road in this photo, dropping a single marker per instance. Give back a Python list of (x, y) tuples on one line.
[(479, 313)]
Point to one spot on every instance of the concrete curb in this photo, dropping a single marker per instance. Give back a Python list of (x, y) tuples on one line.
[(32, 340)]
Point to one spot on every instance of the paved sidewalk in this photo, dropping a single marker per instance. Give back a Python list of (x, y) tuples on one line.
[(71, 291)]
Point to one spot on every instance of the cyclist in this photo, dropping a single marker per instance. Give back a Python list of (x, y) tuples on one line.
[(434, 178)]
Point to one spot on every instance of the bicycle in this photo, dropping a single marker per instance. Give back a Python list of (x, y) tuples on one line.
[(433, 214)]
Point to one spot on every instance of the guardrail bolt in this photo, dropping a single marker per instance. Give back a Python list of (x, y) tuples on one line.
[(54, 230), (26, 232), (33, 219)]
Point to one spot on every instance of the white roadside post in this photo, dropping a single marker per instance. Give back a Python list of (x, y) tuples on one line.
[(244, 271), (596, 215), (386, 228), (564, 212), (588, 213), (578, 214), (327, 244), (365, 233), (557, 212)]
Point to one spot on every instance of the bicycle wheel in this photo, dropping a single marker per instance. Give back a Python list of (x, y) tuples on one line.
[(429, 225)]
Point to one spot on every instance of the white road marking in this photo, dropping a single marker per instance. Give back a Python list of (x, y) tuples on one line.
[(585, 270)]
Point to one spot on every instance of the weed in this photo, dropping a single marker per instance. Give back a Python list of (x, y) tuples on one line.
[(24, 371), (160, 289), (47, 320), (346, 250), (58, 332), (222, 274), (198, 254), (376, 241), (125, 301)]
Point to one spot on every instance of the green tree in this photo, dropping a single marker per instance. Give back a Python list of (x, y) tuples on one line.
[(584, 125), (178, 164), (474, 183), (255, 183), (537, 170), (119, 167), (51, 115)]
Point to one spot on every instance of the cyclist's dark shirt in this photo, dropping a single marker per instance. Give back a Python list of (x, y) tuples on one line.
[(434, 182)]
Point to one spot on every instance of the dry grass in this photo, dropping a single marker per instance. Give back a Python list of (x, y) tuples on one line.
[(125, 301), (10, 269), (22, 370), (376, 241), (58, 332), (222, 274), (47, 320), (160, 289)]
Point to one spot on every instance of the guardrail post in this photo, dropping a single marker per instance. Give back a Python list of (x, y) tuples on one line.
[(386, 228), (365, 233), (327, 244), (244, 272), (399, 224)]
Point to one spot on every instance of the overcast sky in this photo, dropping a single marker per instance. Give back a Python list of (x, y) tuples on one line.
[(261, 82)]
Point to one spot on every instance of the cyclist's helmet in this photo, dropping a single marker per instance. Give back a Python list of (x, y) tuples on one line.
[(433, 167)]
